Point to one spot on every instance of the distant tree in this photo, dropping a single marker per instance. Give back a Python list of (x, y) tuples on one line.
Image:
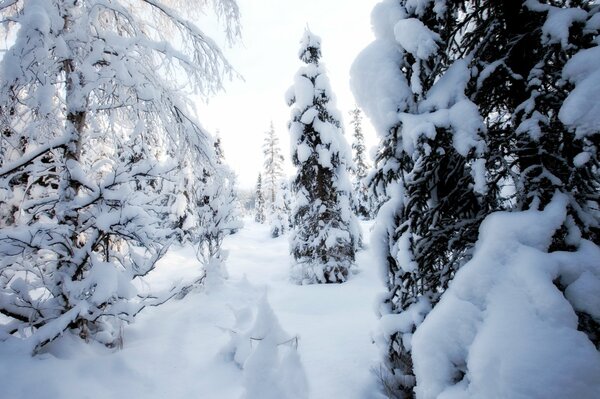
[(362, 203), (95, 132), (326, 233), (259, 203), (273, 166)]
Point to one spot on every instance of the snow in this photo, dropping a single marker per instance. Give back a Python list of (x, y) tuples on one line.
[(581, 159), (558, 21), (416, 38), (503, 329), (180, 349), (379, 89), (581, 109)]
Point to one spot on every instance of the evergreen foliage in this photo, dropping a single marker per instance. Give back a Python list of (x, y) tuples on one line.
[(218, 208), (480, 88), (326, 234)]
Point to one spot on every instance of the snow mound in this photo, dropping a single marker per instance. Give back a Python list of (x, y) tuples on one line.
[(267, 355)]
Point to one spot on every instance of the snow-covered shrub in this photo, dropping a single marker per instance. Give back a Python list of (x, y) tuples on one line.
[(267, 355)]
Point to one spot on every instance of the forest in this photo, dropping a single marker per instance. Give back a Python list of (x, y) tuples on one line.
[(458, 258)]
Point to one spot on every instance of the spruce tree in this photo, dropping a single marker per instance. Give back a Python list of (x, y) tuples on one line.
[(325, 235), (363, 202), (484, 125), (427, 164), (259, 201)]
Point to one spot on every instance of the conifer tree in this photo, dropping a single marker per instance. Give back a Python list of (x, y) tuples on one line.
[(426, 163), (486, 98), (273, 166), (259, 202), (325, 235), (362, 203)]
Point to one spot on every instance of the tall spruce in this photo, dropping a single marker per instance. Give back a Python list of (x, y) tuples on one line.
[(326, 233), (479, 71)]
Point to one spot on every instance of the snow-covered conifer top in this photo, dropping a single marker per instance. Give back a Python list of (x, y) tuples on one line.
[(310, 48)]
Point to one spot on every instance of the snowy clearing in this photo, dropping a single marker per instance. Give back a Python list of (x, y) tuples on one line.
[(177, 350)]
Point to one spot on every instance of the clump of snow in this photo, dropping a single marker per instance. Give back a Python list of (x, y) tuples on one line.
[(581, 159), (215, 272), (478, 172), (558, 21), (503, 329), (267, 355), (384, 16), (377, 86), (581, 109), (416, 38)]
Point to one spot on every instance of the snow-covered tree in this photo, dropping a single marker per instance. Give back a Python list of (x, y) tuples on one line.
[(428, 166), (326, 233), (259, 202), (218, 207), (487, 121), (273, 166), (280, 216), (94, 132), (362, 204)]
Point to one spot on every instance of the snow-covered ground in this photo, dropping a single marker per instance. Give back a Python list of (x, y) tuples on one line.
[(177, 350)]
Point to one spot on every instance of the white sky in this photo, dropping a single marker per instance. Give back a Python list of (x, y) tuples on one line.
[(267, 59)]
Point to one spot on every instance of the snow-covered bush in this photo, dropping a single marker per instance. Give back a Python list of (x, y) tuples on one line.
[(326, 234), (475, 107), (267, 355), (508, 325)]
